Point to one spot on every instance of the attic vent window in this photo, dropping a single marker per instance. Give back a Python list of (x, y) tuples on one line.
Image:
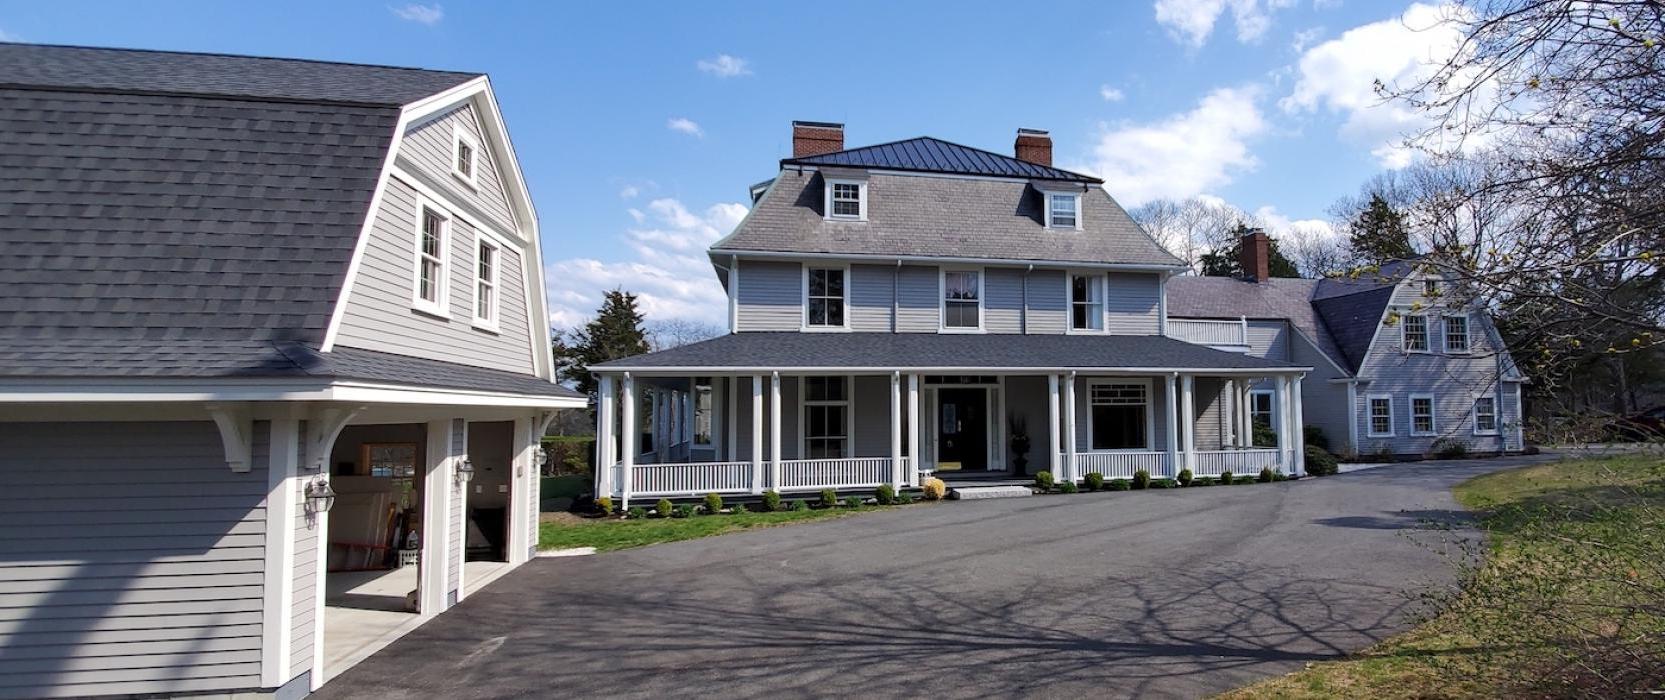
[(847, 200), (464, 157)]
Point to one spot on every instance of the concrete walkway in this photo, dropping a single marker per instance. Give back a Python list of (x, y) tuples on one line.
[(1177, 593)]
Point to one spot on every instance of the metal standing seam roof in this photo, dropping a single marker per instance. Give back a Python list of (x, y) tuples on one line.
[(926, 154)]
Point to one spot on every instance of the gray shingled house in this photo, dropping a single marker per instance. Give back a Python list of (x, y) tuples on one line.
[(1401, 357), (922, 307), (272, 355)]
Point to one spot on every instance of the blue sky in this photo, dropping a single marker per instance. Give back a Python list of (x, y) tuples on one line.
[(640, 125)]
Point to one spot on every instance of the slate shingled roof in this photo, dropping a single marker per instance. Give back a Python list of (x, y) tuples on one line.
[(926, 154), (150, 232), (921, 350), (943, 217)]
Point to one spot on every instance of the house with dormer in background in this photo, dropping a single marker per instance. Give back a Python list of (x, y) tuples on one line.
[(922, 307)]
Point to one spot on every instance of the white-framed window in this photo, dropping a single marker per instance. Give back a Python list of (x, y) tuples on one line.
[(465, 157), (1431, 287), (1087, 302), (1456, 334), (1063, 210), (826, 298), (431, 277), (1485, 415), (702, 411), (962, 300), (1260, 416), (847, 200), (486, 265), (826, 417), (1119, 415), (1413, 333), (1422, 414), (1380, 415)]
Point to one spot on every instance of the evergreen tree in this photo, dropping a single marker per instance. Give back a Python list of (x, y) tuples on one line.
[(1227, 262), (615, 333), (1378, 234)]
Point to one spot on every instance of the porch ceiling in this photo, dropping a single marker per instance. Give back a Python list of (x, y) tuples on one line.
[(745, 352)]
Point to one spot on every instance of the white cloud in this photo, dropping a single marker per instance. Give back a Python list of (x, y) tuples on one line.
[(1183, 155), (629, 192), (1192, 21), (1304, 38), (419, 13), (1340, 76), (1110, 94), (686, 126), (724, 66), (1296, 230), (667, 268)]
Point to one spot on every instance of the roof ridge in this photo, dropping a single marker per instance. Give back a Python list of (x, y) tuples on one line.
[(956, 144), (129, 49)]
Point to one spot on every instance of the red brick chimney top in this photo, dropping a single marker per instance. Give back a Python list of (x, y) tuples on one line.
[(1255, 255), (816, 138), (1033, 146)]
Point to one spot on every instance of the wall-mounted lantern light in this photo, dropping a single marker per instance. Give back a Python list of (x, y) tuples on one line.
[(319, 496), (465, 470)]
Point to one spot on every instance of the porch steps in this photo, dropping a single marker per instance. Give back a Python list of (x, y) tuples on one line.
[(973, 493)]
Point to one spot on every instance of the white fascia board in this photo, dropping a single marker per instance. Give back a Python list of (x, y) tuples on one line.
[(991, 262), (103, 391), (835, 371)]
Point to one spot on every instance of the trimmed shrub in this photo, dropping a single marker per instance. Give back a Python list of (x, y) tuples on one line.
[(1266, 475), (904, 498), (1043, 481), (1141, 479), (852, 502), (829, 498), (737, 509), (1186, 477), (1226, 479), (771, 501), (1162, 483), (1203, 481), (605, 505), (713, 503), (662, 508), (1068, 487), (934, 489), (685, 510), (1320, 462), (885, 494), (1449, 448), (1095, 481), (1117, 485), (1314, 435), (636, 513), (800, 505)]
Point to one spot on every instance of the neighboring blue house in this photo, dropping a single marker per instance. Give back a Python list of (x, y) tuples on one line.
[(911, 308)]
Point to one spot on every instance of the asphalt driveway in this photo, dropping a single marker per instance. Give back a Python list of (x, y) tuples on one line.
[(1174, 593)]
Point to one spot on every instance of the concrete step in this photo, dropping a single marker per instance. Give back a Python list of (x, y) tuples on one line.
[(972, 493)]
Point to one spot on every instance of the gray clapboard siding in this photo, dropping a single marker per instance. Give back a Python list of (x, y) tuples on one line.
[(1269, 339), (918, 310), (379, 314), (1048, 302), (428, 147), (1210, 418), (872, 296), (178, 607), (1003, 300), (872, 416), (770, 296), (1132, 303), (1323, 403)]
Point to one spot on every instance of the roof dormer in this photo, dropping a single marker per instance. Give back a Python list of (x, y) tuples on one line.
[(844, 197)]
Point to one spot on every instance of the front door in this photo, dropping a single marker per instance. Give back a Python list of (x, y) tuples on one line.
[(962, 429)]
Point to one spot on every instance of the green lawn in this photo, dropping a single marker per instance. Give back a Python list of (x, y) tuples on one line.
[(1568, 601), (611, 534)]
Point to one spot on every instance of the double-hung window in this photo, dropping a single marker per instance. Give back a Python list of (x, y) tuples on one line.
[(1063, 210), (826, 417), (465, 157), (1485, 415), (702, 411), (962, 299), (1422, 414), (1381, 416), (1456, 334), (1087, 302), (431, 258), (824, 297), (485, 286), (1119, 415), (1260, 418), (1415, 333), (846, 200)]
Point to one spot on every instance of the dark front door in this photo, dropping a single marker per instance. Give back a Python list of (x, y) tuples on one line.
[(962, 429)]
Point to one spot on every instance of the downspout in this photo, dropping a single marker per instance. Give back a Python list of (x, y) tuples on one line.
[(1161, 305), (896, 296), (1023, 319)]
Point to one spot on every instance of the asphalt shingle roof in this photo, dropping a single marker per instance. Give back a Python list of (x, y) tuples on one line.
[(945, 217), (926, 154), (922, 350)]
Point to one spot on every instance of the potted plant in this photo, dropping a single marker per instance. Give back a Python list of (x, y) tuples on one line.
[(1018, 429)]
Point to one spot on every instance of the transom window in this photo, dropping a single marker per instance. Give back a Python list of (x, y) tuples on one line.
[(846, 200), (1456, 334), (430, 260), (1087, 302), (1119, 413), (1485, 415), (1381, 416), (485, 285), (1415, 333), (824, 298), (1062, 210), (826, 402), (962, 299), (1422, 414)]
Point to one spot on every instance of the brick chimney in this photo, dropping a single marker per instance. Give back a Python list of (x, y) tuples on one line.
[(816, 138), (1254, 255), (1033, 146)]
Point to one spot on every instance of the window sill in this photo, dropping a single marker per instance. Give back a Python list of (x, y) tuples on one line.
[(848, 219), (823, 329), (961, 331), (473, 184), (430, 311), (1480, 433), (1425, 434), (1086, 331), (491, 328), (1380, 436)]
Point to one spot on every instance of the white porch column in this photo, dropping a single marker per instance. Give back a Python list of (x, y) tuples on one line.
[(757, 434), (1172, 409), (1299, 436), (1188, 413), (605, 439), (438, 490), (632, 439), (1280, 422), (913, 430), (1353, 416), (1053, 423), (1069, 431), (897, 479), (1245, 416), (774, 430), (283, 508)]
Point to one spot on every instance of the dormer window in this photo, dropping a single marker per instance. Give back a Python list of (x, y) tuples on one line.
[(1431, 287), (1063, 210), (847, 199), (465, 157)]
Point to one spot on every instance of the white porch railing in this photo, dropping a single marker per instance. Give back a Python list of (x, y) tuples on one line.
[(1238, 462), (700, 478), (1204, 332), (691, 479), (816, 474), (1121, 465)]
